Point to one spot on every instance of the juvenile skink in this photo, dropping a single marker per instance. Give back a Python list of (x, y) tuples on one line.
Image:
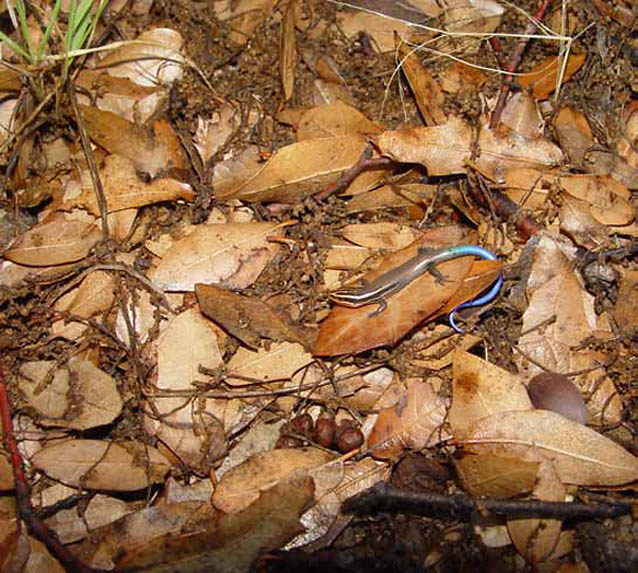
[(396, 279)]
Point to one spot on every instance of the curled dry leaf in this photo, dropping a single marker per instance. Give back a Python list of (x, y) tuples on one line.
[(240, 486), (154, 149), (6, 474), (79, 395), (581, 455), (446, 149), (123, 189), (415, 422), (54, 243), (426, 90), (482, 389), (248, 319), (288, 48), (542, 78), (626, 310), (232, 255), (95, 464), (153, 58)]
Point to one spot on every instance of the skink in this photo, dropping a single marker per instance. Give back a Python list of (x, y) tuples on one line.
[(396, 279)]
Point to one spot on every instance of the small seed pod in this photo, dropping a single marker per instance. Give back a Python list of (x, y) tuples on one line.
[(302, 425), (350, 439), (288, 443), (555, 392), (325, 430)]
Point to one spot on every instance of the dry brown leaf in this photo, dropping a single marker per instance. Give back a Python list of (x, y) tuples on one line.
[(94, 295), (581, 455), (459, 78), (96, 464), (427, 92), (447, 148), (346, 256), (333, 120), (123, 189), (194, 432), (482, 389), (280, 361), (608, 201), (558, 301), (334, 483), (408, 195), (494, 476), (153, 58), (381, 235), (577, 222), (415, 422), (231, 255), (303, 169), (626, 309), (543, 77), (6, 474), (79, 395), (152, 150), (243, 16), (352, 23), (56, 242), (535, 539), (248, 319), (240, 486), (224, 543), (521, 115), (583, 151), (288, 48)]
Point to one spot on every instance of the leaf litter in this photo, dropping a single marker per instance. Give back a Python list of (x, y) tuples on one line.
[(170, 328)]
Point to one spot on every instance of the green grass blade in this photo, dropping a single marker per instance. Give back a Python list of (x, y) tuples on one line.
[(47, 33)]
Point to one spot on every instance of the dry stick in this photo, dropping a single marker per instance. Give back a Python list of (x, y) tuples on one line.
[(384, 497), (90, 159), (515, 59), (23, 499), (366, 161)]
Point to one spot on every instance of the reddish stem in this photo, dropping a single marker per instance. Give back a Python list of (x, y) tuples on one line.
[(515, 59), (23, 496)]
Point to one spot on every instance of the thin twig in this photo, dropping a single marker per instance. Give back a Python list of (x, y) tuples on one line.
[(515, 59)]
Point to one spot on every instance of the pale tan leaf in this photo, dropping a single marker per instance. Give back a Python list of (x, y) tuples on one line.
[(94, 295), (626, 310), (79, 396), (581, 455), (241, 485), (608, 200), (521, 115), (231, 255), (153, 58), (382, 235), (446, 149), (55, 243), (535, 539), (352, 23), (280, 360), (482, 389), (495, 476), (303, 169), (334, 119), (95, 464), (123, 189)]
